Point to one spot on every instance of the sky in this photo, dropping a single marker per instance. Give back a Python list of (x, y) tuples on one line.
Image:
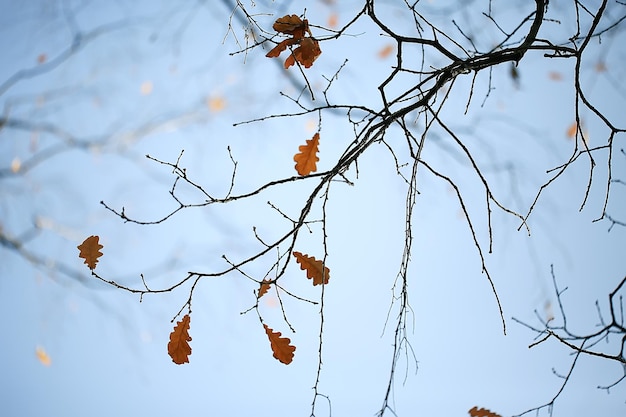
[(98, 85)]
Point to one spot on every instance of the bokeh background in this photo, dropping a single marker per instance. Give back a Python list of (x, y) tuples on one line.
[(88, 88)]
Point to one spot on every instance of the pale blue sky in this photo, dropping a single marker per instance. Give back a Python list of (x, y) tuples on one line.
[(108, 351)]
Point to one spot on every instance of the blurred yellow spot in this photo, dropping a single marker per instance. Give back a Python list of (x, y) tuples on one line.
[(386, 51), (16, 164), (216, 104), (146, 88), (43, 356)]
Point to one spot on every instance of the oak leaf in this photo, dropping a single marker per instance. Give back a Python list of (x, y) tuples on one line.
[(265, 286), (314, 269), (306, 159), (305, 54), (291, 25), (482, 412), (90, 251), (178, 346), (281, 348), (278, 49)]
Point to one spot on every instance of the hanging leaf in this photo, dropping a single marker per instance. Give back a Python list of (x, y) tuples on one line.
[(178, 346), (305, 54), (265, 286), (90, 251), (314, 269), (291, 25), (281, 348), (306, 160), (307, 50), (482, 412)]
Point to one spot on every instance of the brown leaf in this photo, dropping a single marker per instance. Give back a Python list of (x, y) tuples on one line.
[(291, 25), (305, 54), (281, 348), (265, 287), (90, 251), (306, 160), (178, 348), (482, 412), (278, 49), (314, 269)]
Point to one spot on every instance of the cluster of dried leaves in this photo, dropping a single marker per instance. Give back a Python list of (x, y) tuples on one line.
[(308, 48), (178, 347)]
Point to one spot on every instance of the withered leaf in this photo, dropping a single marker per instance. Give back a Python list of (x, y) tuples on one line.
[(306, 159), (305, 54), (178, 346), (90, 251), (291, 25), (314, 269), (278, 49), (482, 412), (281, 348), (265, 286)]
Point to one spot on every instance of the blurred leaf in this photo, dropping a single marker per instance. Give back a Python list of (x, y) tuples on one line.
[(16, 164), (216, 104), (90, 251), (333, 19), (146, 88), (43, 356), (555, 76), (386, 50), (178, 346), (600, 66)]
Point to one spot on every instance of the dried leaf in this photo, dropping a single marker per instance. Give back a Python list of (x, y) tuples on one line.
[(482, 412), (291, 25), (42, 58), (43, 356), (305, 54), (178, 346), (276, 51), (90, 251), (281, 348), (265, 287), (306, 160), (314, 269), (571, 130)]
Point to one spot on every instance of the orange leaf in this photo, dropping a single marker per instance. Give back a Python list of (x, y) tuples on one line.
[(281, 348), (291, 25), (314, 269), (90, 250), (305, 54), (178, 348), (278, 49), (306, 160), (482, 412), (265, 287)]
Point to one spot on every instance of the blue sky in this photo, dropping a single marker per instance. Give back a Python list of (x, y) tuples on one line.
[(160, 78)]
